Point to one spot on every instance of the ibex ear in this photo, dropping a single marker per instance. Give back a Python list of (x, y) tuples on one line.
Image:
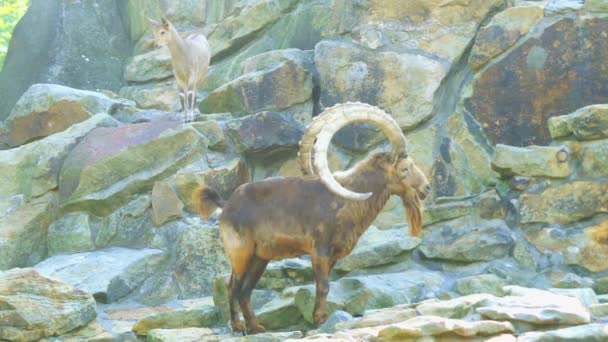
[(164, 22), (152, 21)]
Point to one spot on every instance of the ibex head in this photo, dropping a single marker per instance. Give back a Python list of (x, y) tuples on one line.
[(160, 30), (401, 175)]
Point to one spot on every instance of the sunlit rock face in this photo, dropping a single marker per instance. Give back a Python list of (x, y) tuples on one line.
[(556, 69)]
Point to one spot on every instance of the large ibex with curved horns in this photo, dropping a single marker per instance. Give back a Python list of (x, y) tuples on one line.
[(322, 216)]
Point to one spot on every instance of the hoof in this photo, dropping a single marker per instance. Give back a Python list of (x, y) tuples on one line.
[(256, 329), (238, 327), (320, 318)]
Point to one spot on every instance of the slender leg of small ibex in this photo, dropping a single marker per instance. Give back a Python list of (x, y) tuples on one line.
[(191, 99), (182, 100)]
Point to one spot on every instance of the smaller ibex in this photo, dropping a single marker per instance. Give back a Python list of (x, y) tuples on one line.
[(322, 215), (190, 57)]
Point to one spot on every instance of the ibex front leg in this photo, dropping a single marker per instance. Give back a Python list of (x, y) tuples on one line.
[(191, 100), (183, 99), (321, 265)]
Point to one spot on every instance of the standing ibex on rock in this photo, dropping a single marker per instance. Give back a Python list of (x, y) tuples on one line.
[(190, 57), (281, 218)]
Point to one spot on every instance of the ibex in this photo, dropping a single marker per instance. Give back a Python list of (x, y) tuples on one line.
[(317, 215), (190, 57)]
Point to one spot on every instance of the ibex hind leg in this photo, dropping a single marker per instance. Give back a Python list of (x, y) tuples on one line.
[(233, 294), (239, 251), (254, 272), (183, 99)]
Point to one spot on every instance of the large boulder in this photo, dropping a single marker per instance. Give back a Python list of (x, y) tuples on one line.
[(200, 259), (436, 28), (264, 133), (70, 234), (544, 75), (357, 294), (111, 164), (117, 271), (594, 159), (502, 32), (565, 203), (213, 131), (586, 123), (536, 307), (45, 109), (166, 206), (466, 240), (427, 326), (583, 247), (402, 84), (23, 235), (374, 318), (129, 226), (596, 5), (82, 46), (176, 319), (184, 334), (279, 313), (378, 247), (234, 31), (462, 130), (163, 96), (586, 332), (33, 169), (34, 307), (284, 273), (461, 307), (154, 65), (539, 161), (277, 89), (482, 283)]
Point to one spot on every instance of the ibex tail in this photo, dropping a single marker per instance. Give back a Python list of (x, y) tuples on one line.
[(206, 200)]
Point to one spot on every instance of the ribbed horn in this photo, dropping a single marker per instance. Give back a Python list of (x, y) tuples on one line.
[(308, 140), (339, 116)]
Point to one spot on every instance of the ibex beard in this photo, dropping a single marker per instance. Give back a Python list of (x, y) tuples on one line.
[(322, 215)]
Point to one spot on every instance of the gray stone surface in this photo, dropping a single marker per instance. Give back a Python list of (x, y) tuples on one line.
[(378, 247), (46, 109), (108, 274), (70, 234), (83, 47), (468, 240), (23, 235), (34, 306)]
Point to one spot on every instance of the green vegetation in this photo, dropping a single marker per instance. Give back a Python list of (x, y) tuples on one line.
[(10, 13)]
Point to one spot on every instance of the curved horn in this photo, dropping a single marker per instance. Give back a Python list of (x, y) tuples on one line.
[(341, 115), (308, 139), (152, 21)]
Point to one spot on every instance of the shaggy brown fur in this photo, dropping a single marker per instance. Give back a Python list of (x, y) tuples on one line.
[(287, 217)]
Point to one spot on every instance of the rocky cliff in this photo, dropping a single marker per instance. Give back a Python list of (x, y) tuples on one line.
[(504, 104)]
